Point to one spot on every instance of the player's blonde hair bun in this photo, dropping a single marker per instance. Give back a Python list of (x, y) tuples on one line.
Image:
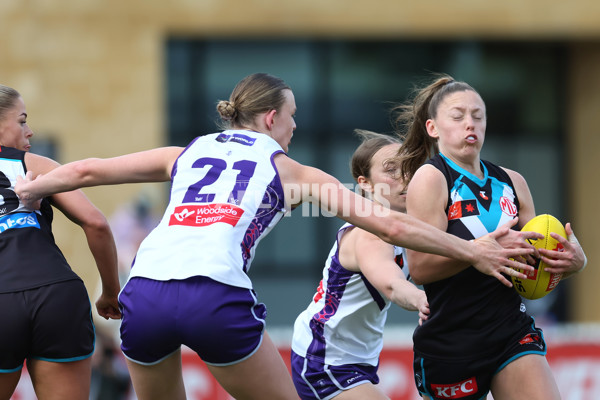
[(226, 110)]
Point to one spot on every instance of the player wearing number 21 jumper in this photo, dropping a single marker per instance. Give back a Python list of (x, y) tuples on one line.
[(189, 283), (479, 337)]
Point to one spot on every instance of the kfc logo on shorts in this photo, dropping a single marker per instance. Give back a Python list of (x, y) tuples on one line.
[(508, 206), (207, 214), (455, 390)]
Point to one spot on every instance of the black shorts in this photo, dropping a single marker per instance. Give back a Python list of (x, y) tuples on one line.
[(471, 379), (50, 323)]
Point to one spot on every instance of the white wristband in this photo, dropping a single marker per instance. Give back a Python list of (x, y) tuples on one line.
[(574, 240)]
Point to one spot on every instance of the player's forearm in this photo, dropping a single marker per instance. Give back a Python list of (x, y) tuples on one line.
[(412, 233), (102, 246), (405, 294), (62, 179), (426, 268)]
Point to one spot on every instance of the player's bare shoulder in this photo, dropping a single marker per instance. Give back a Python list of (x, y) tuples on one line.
[(427, 187)]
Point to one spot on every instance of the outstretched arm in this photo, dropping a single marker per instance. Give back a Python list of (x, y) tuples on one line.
[(303, 183), (146, 166), (80, 210)]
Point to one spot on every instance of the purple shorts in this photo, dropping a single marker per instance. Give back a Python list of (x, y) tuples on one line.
[(223, 324), (318, 381)]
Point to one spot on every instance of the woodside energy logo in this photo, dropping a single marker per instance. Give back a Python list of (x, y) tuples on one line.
[(206, 214)]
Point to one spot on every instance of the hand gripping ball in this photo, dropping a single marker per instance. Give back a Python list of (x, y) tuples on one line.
[(539, 282)]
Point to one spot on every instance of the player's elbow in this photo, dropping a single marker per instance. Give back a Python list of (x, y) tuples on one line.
[(96, 221), (393, 232), (82, 172)]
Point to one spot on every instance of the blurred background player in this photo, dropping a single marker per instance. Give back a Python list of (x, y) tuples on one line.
[(338, 338)]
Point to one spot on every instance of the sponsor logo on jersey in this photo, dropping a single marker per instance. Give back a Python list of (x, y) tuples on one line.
[(455, 390), (463, 208), (206, 214), (236, 138), (482, 195), (19, 220), (508, 207)]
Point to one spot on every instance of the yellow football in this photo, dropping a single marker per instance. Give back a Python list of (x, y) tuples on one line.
[(539, 282)]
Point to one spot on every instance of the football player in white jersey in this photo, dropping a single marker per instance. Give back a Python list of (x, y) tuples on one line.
[(214, 191), (338, 338)]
